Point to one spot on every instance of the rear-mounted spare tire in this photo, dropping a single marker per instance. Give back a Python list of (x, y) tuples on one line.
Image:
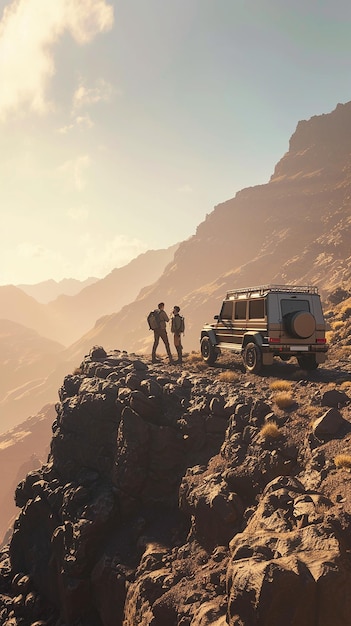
[(300, 324)]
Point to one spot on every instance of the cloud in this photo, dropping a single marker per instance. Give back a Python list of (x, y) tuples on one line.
[(28, 31), (78, 214), (92, 255), (80, 122), (185, 189), (101, 256), (84, 96), (75, 171), (31, 251)]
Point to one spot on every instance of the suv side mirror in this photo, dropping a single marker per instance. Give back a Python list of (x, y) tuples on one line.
[(216, 317)]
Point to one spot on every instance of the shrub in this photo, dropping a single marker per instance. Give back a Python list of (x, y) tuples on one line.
[(280, 385), (228, 377), (77, 370), (194, 357), (345, 385), (270, 431), (343, 461), (337, 325), (329, 335), (344, 352), (311, 412), (283, 400), (200, 365)]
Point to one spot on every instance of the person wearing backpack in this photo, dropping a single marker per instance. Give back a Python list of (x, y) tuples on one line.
[(177, 328), (160, 332)]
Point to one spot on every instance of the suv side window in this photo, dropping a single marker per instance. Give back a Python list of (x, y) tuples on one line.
[(256, 309), (227, 310), (240, 310), (290, 306)]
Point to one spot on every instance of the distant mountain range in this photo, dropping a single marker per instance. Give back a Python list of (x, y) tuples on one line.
[(51, 289)]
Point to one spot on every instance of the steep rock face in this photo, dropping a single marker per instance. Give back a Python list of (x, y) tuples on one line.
[(295, 229), (165, 501), (22, 449), (26, 360)]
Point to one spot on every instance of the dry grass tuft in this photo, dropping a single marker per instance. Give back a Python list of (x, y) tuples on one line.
[(229, 377), (194, 357), (343, 461), (200, 366), (310, 412), (283, 400), (345, 385), (329, 335), (337, 324), (270, 431), (77, 370), (280, 385)]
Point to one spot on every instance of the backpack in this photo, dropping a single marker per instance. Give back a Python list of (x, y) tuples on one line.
[(153, 319), (178, 325)]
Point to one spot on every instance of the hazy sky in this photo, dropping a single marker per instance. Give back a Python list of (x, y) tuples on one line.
[(124, 122)]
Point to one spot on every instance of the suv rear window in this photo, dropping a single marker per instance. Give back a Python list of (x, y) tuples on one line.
[(290, 306), (240, 310), (256, 309)]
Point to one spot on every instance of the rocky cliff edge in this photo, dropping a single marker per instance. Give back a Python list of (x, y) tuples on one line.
[(190, 497)]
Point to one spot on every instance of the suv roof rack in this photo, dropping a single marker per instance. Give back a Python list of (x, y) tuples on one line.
[(261, 290)]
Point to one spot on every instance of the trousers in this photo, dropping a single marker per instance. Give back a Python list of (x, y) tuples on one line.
[(161, 333)]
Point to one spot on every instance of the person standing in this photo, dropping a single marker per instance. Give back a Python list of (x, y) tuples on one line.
[(177, 328), (161, 333)]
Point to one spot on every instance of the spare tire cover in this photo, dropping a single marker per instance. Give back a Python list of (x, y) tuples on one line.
[(302, 324)]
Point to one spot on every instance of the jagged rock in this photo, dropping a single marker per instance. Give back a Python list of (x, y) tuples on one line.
[(216, 511), (334, 398), (147, 407), (285, 555), (97, 352), (329, 424)]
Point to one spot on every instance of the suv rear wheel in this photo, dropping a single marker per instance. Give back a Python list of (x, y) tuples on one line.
[(307, 362), (208, 351), (252, 358)]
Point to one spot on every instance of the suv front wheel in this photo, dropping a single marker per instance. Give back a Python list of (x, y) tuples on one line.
[(208, 351), (252, 358)]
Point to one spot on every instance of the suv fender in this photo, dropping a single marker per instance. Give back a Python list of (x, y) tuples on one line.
[(210, 333), (252, 338)]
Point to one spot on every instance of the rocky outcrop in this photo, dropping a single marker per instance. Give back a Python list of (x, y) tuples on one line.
[(164, 500), (22, 449), (291, 549)]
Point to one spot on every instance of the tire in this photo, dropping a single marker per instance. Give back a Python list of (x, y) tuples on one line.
[(208, 351), (252, 358), (300, 324), (307, 362)]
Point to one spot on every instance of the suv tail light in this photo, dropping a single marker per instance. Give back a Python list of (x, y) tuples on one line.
[(274, 339), (321, 340)]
